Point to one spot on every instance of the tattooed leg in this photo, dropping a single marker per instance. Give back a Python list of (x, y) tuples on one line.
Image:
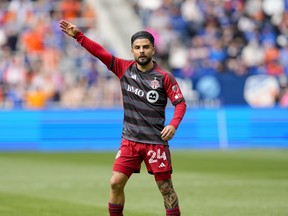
[(169, 195)]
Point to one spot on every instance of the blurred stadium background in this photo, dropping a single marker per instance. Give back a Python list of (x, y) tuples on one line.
[(230, 58), (61, 112)]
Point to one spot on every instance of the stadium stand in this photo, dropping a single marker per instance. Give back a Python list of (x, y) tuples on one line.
[(239, 38), (39, 68), (222, 52)]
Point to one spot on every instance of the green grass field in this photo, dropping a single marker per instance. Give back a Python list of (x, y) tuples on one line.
[(208, 183)]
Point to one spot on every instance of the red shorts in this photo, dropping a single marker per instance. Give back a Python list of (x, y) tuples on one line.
[(156, 157)]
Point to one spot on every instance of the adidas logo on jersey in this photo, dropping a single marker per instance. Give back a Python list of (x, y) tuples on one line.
[(133, 76)]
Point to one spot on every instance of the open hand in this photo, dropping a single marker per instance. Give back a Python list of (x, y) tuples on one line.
[(68, 28)]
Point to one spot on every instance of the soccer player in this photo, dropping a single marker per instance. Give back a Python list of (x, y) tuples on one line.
[(146, 87)]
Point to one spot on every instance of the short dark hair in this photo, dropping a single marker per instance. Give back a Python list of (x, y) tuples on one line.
[(142, 34)]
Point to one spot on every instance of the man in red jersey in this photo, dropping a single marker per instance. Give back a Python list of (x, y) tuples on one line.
[(146, 87)]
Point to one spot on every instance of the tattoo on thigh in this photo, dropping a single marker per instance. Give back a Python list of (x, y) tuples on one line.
[(169, 195)]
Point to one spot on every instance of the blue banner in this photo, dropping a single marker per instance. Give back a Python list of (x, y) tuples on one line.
[(84, 130)]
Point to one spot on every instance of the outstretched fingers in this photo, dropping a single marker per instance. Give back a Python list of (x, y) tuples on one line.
[(68, 28), (64, 25)]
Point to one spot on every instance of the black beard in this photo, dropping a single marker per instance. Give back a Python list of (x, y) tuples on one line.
[(143, 63)]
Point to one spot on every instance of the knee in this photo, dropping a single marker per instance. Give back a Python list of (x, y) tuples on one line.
[(117, 184)]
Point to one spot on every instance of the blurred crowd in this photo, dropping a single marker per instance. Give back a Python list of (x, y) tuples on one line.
[(208, 36), (41, 68), (243, 37)]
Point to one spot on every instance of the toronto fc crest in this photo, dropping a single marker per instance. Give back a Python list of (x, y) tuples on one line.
[(154, 84)]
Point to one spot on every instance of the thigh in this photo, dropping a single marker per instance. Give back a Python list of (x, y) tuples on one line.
[(128, 159)]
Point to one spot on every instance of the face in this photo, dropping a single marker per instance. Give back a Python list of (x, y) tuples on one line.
[(143, 51)]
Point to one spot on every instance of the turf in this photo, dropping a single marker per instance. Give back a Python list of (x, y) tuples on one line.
[(208, 183)]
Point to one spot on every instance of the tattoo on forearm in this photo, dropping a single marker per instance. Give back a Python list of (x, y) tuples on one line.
[(169, 195)]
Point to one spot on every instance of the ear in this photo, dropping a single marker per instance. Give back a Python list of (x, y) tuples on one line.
[(154, 50)]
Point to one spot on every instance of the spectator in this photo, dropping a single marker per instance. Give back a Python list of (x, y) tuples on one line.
[(239, 37), (192, 38), (37, 69), (36, 98)]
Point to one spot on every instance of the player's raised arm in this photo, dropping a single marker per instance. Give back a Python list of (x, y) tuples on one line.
[(68, 28)]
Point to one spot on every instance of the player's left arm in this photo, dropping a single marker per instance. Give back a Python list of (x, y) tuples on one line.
[(169, 131), (175, 95)]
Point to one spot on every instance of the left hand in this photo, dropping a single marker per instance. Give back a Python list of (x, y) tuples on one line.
[(168, 132)]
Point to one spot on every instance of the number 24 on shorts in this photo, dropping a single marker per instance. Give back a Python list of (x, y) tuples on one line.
[(154, 156)]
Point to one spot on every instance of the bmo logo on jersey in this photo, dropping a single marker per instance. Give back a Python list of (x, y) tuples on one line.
[(136, 91), (152, 96)]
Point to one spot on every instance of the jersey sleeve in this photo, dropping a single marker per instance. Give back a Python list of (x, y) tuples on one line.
[(117, 65), (179, 112), (172, 88), (176, 97)]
